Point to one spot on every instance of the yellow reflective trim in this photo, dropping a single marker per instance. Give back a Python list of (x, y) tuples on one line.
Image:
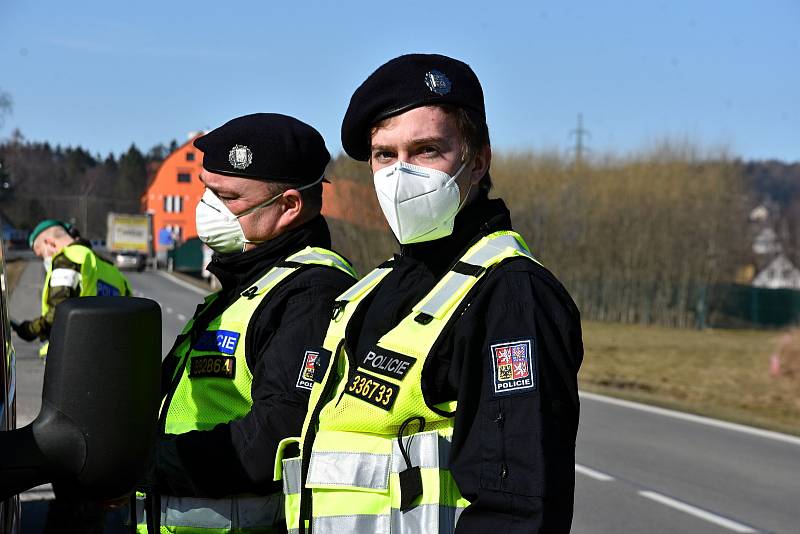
[(335, 440), (282, 445), (292, 503), (322, 256), (364, 285), (451, 289), (335, 502)]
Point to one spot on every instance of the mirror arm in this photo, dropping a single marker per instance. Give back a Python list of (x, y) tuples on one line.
[(38, 459), (25, 467)]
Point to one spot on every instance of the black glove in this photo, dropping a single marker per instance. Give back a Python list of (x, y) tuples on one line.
[(23, 330)]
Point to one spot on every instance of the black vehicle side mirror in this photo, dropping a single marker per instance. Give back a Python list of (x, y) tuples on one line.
[(100, 401)]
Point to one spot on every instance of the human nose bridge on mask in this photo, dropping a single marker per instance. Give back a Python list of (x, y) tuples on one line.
[(413, 184)]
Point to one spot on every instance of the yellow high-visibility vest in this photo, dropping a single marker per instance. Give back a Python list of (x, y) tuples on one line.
[(213, 387), (98, 278), (371, 465)]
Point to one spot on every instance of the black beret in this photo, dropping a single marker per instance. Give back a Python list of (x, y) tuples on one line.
[(404, 83), (265, 146)]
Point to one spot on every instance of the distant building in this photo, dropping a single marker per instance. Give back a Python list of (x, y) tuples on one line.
[(759, 214), (780, 273), (172, 195), (767, 242)]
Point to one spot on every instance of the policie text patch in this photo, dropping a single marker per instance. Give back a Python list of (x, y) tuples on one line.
[(373, 390), (513, 367), (212, 366), (223, 341), (306, 378), (106, 290), (386, 362)]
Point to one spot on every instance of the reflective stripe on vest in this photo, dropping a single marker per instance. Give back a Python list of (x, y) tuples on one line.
[(202, 402), (94, 271), (98, 278), (354, 465), (454, 284), (255, 513)]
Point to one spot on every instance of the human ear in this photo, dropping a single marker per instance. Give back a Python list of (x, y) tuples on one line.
[(291, 204), (480, 164)]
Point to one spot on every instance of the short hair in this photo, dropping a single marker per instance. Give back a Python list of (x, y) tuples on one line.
[(312, 197), (474, 137), (56, 232)]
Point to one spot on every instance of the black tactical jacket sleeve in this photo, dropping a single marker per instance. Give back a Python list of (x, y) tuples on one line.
[(238, 457), (513, 449)]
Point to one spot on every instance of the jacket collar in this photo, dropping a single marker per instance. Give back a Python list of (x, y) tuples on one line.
[(483, 217), (240, 269)]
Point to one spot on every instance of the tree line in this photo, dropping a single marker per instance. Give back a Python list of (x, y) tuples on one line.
[(644, 238), (640, 238), (70, 183)]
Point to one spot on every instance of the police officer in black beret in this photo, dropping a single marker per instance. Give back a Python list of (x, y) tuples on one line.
[(238, 377), (449, 400)]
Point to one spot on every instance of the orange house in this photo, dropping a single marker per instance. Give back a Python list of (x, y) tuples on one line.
[(173, 194), (176, 189)]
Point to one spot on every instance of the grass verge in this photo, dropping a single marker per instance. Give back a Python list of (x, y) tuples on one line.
[(723, 374)]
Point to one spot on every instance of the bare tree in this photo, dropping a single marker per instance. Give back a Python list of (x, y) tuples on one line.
[(6, 105)]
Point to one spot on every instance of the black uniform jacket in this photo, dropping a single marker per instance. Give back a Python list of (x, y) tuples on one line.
[(513, 453), (238, 457)]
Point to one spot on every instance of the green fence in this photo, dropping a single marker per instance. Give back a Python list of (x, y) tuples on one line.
[(734, 305), (188, 258)]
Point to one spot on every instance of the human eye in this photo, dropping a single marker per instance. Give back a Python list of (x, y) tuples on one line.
[(383, 156), (429, 151)]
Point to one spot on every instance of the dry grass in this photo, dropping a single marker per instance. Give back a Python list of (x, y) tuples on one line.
[(718, 373)]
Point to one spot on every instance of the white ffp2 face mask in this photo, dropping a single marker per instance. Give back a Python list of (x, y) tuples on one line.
[(220, 229), (419, 203)]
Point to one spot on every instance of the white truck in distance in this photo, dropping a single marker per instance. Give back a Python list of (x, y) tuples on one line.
[(128, 240)]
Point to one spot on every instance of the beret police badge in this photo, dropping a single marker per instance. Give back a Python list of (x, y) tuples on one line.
[(437, 82), (405, 83), (240, 157), (265, 146)]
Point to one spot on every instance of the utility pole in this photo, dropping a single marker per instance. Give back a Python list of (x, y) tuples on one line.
[(580, 132)]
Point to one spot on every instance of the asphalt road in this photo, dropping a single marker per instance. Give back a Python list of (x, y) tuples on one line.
[(639, 470), (656, 471)]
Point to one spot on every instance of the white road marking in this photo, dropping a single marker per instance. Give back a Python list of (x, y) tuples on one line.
[(169, 310), (181, 317), (697, 512), (777, 436), (181, 283), (591, 473), (39, 493)]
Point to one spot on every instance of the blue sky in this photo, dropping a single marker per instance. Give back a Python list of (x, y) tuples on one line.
[(107, 74)]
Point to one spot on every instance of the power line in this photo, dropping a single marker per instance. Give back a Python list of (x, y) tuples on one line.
[(580, 132)]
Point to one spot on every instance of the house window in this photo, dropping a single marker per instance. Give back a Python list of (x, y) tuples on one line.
[(190, 156), (173, 203), (184, 177)]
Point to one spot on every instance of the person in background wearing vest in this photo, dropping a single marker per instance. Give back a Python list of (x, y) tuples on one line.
[(445, 396), (72, 270), (238, 377)]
